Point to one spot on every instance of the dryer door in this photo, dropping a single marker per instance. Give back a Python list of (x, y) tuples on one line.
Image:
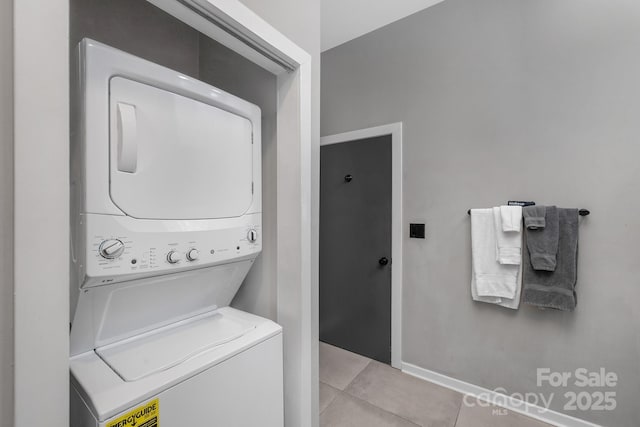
[(172, 157)]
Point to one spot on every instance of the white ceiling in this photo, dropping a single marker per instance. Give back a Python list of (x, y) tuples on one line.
[(344, 20)]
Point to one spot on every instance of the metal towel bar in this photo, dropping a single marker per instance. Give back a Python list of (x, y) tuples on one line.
[(582, 212)]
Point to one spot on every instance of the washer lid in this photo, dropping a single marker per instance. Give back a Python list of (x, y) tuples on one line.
[(172, 157), (156, 351)]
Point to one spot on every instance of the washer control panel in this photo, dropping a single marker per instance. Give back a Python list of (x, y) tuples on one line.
[(122, 254)]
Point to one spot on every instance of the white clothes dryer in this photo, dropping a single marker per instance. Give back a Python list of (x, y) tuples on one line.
[(166, 211)]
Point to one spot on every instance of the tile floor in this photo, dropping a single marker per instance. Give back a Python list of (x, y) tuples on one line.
[(359, 392)]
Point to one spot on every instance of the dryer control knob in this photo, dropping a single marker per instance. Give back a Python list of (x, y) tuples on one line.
[(173, 257), (252, 235), (193, 254), (111, 248)]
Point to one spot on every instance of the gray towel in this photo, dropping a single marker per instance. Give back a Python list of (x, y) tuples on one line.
[(556, 289), (543, 242), (534, 217)]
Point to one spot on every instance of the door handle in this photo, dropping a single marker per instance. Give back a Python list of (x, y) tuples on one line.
[(383, 261), (127, 138)]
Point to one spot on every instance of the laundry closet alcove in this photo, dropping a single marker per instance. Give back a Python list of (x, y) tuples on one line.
[(241, 30)]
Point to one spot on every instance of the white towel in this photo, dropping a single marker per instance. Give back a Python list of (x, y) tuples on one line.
[(511, 218), (491, 281), (508, 243)]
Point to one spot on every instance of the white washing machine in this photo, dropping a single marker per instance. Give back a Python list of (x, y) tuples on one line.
[(166, 211)]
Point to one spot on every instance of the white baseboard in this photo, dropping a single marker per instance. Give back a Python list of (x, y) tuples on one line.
[(546, 415)]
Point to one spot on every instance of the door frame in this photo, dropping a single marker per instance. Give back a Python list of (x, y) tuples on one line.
[(395, 130)]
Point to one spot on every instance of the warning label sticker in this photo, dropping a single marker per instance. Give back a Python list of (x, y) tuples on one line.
[(146, 415)]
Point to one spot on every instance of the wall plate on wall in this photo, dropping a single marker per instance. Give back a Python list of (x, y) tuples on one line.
[(416, 231)]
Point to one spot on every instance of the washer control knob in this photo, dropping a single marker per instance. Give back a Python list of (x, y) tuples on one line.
[(111, 248), (173, 257), (252, 235), (193, 254)]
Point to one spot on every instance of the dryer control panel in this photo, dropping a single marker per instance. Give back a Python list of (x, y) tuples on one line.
[(117, 251)]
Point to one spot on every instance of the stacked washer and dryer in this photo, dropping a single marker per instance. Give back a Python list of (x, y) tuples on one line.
[(166, 186)]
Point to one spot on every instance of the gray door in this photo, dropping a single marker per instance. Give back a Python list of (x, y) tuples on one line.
[(355, 246)]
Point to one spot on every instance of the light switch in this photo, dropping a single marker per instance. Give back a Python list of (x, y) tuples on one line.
[(416, 231)]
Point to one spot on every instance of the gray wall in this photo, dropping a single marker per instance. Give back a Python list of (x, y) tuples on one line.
[(137, 27), (510, 99), (142, 29), (6, 213)]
